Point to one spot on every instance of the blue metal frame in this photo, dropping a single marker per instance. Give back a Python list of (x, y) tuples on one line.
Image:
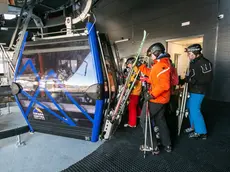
[(67, 119), (100, 79), (15, 74), (52, 73)]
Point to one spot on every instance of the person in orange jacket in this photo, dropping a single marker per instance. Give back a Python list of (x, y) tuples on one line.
[(133, 107), (158, 95)]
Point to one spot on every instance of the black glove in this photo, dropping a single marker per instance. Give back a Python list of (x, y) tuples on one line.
[(181, 81), (148, 96), (190, 80)]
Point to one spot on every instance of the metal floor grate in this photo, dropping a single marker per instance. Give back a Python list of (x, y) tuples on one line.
[(121, 153)]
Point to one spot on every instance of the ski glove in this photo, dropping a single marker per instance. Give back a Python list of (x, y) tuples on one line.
[(190, 80), (181, 81), (148, 96)]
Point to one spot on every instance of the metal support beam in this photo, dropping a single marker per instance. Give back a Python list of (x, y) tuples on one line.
[(22, 33), (17, 26), (19, 142), (11, 67), (46, 6), (37, 21), (84, 13)]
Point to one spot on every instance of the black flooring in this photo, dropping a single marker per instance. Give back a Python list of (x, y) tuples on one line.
[(121, 153)]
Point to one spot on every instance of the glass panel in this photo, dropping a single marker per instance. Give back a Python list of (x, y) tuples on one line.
[(59, 72), (111, 69)]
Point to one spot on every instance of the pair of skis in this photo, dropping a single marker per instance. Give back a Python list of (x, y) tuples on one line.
[(129, 89), (114, 116), (182, 110), (110, 127), (119, 107)]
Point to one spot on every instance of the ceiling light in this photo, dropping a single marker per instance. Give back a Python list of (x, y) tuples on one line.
[(4, 28), (9, 16), (122, 40)]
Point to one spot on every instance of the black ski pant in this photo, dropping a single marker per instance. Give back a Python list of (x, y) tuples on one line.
[(157, 118)]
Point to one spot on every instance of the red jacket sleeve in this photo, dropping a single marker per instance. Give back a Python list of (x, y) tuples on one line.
[(162, 82), (145, 70)]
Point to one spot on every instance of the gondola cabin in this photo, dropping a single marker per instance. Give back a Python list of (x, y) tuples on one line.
[(62, 80)]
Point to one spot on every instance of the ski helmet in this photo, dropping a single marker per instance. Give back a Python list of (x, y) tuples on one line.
[(194, 48), (156, 49), (130, 60)]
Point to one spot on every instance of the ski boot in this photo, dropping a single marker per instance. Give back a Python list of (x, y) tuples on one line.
[(189, 130), (198, 136), (127, 125), (168, 149), (154, 151)]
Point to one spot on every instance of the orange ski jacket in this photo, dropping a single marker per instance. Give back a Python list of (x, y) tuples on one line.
[(159, 79)]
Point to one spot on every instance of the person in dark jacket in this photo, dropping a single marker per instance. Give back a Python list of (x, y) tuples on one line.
[(199, 78)]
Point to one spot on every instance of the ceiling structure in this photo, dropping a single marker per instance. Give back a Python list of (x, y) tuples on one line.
[(52, 13), (112, 16), (47, 5)]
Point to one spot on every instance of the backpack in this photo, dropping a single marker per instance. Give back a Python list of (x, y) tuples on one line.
[(174, 76)]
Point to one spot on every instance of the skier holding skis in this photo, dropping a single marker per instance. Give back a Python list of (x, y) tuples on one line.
[(133, 107), (158, 95), (200, 76)]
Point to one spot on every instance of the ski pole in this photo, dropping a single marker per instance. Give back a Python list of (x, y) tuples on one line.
[(146, 125), (150, 127)]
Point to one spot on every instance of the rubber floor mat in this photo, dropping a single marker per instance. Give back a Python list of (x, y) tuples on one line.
[(121, 153)]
